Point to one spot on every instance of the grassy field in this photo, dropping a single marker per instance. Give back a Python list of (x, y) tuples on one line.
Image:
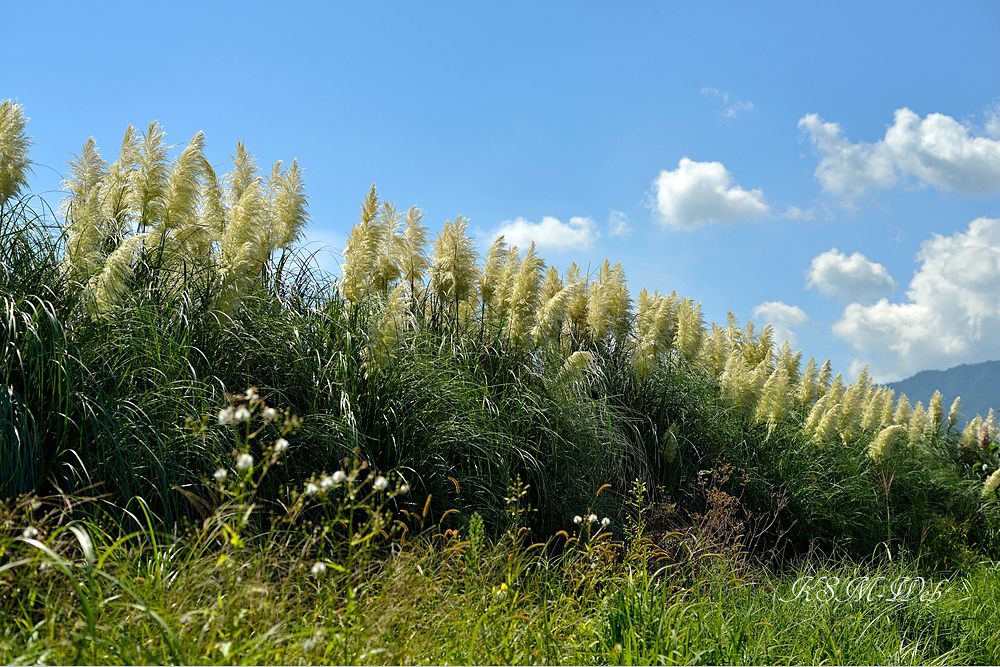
[(214, 452), (78, 594)]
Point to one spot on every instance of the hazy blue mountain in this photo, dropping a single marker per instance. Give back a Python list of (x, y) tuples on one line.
[(977, 384)]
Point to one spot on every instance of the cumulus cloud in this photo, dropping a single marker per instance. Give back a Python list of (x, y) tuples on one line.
[(700, 192), (579, 233), (936, 150), (951, 314), (782, 317), (853, 278), (619, 224), (993, 122)]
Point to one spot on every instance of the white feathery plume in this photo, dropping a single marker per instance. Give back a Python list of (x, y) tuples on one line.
[(524, 297), (491, 279), (919, 422), (360, 250), (882, 443), (148, 193), (81, 209), (184, 185), (453, 267), (903, 410), (955, 413), (690, 330), (289, 205), (808, 385), (414, 262), (14, 146), (774, 399)]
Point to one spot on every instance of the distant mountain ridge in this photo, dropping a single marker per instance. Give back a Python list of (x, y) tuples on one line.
[(977, 384)]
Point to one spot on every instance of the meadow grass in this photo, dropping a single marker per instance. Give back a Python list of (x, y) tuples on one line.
[(76, 593)]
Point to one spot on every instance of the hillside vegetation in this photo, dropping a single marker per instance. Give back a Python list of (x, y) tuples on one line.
[(975, 383), (187, 400)]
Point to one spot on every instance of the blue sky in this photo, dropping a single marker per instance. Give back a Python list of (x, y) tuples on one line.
[(831, 167)]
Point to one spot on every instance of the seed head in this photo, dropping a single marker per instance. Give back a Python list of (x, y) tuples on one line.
[(578, 519), (241, 415), (311, 489), (605, 522), (592, 518), (220, 474), (226, 416), (30, 532), (339, 477), (280, 445), (268, 414), (380, 483), (326, 482), (244, 462), (991, 483), (318, 569)]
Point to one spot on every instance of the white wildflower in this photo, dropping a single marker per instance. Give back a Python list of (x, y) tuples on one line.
[(268, 414), (319, 569), (311, 489), (605, 522), (220, 474), (578, 519), (405, 488), (226, 416), (380, 483), (592, 518), (252, 393), (241, 415), (280, 445), (30, 532), (326, 482), (339, 477), (244, 462)]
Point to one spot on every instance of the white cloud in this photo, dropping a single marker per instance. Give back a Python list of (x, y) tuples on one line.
[(735, 108), (796, 213), (937, 150), (731, 110), (845, 168), (853, 278), (579, 233), (619, 224), (951, 314), (705, 90), (699, 192), (782, 317), (993, 122)]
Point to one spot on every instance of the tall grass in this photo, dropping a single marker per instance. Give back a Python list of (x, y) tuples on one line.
[(458, 407)]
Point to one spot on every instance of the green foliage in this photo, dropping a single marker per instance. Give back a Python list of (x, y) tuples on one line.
[(84, 591), (166, 291)]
